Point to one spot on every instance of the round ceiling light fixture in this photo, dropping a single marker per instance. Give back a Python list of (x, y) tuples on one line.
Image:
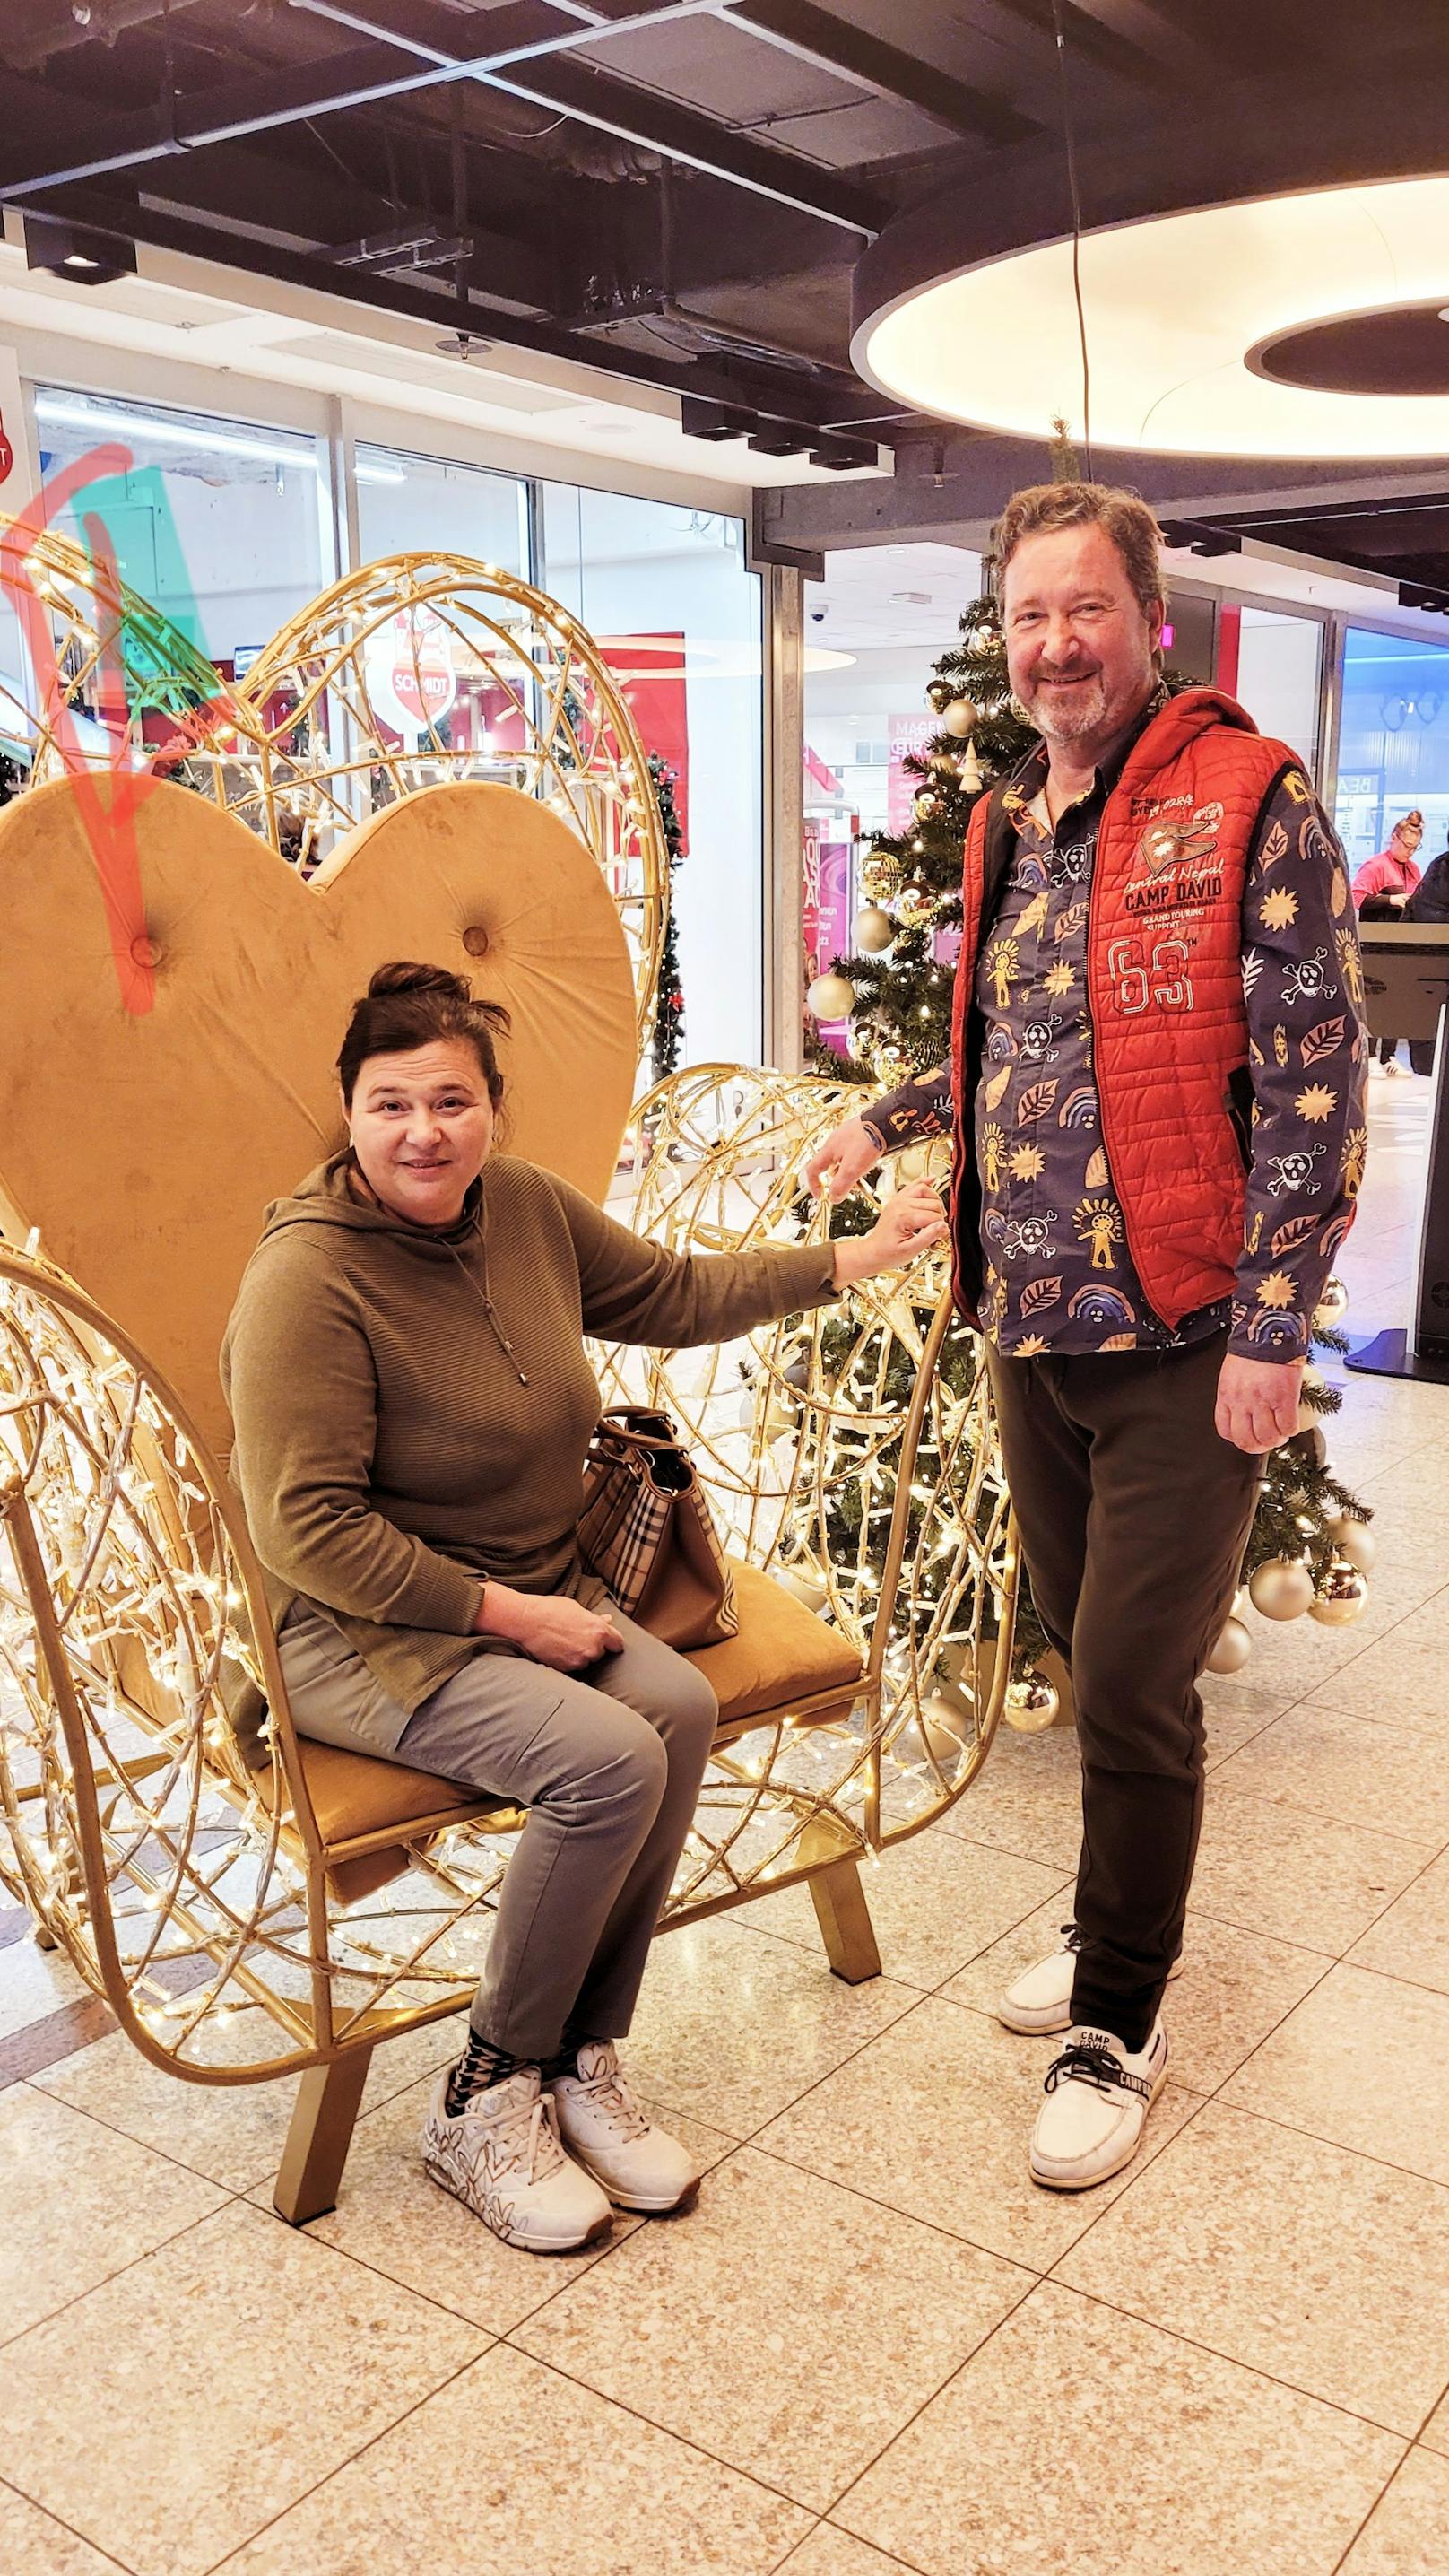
[(1287, 326)]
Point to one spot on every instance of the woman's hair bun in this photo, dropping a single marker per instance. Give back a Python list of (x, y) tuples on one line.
[(405, 975)]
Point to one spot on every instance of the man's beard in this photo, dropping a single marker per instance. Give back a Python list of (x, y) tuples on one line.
[(1073, 719)]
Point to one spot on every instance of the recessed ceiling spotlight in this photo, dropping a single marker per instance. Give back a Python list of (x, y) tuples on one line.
[(911, 598)]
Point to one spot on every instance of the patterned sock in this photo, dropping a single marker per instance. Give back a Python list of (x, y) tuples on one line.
[(480, 2066), (565, 2060)]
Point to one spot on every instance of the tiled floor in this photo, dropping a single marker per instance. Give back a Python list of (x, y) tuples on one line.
[(873, 2346)]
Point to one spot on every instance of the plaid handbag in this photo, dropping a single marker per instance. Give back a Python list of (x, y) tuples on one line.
[(647, 1533)]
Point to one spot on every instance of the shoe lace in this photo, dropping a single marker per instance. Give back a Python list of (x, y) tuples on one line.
[(1072, 1939), (611, 2093), (527, 2138), (1085, 2063)]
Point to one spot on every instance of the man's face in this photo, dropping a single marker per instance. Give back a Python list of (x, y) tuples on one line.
[(1078, 645)]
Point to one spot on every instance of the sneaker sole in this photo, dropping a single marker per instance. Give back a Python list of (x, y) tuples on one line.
[(1101, 2173), (650, 2208), (526, 2244), (1047, 2020)]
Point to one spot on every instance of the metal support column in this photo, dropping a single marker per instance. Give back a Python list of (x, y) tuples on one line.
[(784, 808)]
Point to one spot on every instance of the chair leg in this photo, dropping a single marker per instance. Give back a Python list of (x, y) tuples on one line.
[(844, 1919), (43, 1937), (320, 2134)]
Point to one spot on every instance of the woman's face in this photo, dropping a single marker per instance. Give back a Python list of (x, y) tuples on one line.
[(1405, 843), (422, 1128)]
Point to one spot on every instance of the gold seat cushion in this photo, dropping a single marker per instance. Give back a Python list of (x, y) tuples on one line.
[(784, 1653)]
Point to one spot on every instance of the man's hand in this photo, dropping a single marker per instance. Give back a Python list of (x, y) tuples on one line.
[(560, 1633), (1258, 1402), (908, 1223), (847, 1154)]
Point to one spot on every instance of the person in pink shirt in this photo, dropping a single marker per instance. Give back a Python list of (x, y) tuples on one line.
[(1381, 889)]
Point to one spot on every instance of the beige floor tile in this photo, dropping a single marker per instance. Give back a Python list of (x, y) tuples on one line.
[(829, 2552), (79, 2203), (1235, 1988), (1401, 1679), (393, 2218), (1435, 2435), (935, 1901), (1408, 2534), (1304, 1879), (33, 1983), (232, 2133), (731, 2027), (1236, 1707), (934, 2119), (513, 2467), (1412, 1939), (784, 2324), (1296, 2258), (1168, 2461), (1027, 1800), (32, 2543), (170, 2413), (1363, 2061), (1351, 1768)]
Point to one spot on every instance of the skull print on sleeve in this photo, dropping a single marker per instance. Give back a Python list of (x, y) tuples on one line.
[(1307, 1057)]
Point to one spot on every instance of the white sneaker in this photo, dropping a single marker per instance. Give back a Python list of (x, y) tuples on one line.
[(501, 2157), (1040, 1999), (1098, 2095), (1393, 1065), (603, 2123), (1376, 1066)]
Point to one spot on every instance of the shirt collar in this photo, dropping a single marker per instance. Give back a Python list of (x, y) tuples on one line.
[(1030, 774)]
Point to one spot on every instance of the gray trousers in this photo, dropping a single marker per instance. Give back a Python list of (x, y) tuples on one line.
[(608, 1763)]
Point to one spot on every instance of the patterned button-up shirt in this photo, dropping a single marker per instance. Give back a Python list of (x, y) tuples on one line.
[(1058, 1274)]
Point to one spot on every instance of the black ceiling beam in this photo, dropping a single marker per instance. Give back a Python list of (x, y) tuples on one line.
[(621, 108), (419, 301), (370, 75), (797, 27), (1151, 28)]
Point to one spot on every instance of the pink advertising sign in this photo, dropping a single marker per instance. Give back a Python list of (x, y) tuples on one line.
[(907, 734)]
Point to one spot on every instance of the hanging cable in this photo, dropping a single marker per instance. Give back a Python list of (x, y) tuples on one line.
[(1069, 139)]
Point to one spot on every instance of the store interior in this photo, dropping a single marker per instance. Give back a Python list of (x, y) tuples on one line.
[(515, 486)]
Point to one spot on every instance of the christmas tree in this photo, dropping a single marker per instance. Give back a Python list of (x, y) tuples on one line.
[(669, 1001), (900, 976), (1309, 1549)]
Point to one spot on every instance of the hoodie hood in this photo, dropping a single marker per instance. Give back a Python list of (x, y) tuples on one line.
[(327, 1197)]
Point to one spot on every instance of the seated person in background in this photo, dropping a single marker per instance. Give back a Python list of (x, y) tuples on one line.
[(412, 1401), (1381, 890)]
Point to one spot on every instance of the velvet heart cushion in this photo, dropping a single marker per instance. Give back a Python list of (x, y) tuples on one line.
[(153, 1103)]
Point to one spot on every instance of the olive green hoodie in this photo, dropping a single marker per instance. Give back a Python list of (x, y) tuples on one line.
[(412, 1406)]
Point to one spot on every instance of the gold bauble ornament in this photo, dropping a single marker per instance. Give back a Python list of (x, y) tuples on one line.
[(890, 1061), (915, 904), (878, 876), (873, 929), (925, 804), (960, 718), (1032, 1704), (946, 762), (1354, 1541), (807, 1587), (946, 1725), (1342, 1596), (831, 997), (1232, 1650), (1331, 1308), (1281, 1589)]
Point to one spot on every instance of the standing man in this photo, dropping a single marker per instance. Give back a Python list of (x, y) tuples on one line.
[(1156, 1092)]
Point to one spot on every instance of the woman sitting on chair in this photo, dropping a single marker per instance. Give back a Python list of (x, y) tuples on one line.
[(412, 1404)]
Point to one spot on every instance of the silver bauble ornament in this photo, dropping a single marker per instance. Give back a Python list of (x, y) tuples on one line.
[(1281, 1589), (1032, 1704), (960, 718), (1331, 1308), (873, 929), (831, 997), (1354, 1541), (1232, 1650), (1342, 1596)]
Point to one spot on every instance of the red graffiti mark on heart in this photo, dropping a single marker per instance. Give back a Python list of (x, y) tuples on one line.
[(109, 821)]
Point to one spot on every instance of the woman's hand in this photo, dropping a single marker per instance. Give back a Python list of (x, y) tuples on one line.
[(847, 1154), (908, 1223), (557, 1632)]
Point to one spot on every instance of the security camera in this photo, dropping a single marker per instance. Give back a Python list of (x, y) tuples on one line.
[(817, 616)]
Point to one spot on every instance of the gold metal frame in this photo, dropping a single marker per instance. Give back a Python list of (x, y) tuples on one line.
[(233, 1939)]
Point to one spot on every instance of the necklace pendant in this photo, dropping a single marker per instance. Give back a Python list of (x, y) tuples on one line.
[(523, 1377)]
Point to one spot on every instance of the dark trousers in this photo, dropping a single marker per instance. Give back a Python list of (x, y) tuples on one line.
[(1133, 1516)]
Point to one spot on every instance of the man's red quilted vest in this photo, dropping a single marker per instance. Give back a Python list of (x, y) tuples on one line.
[(1165, 991)]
